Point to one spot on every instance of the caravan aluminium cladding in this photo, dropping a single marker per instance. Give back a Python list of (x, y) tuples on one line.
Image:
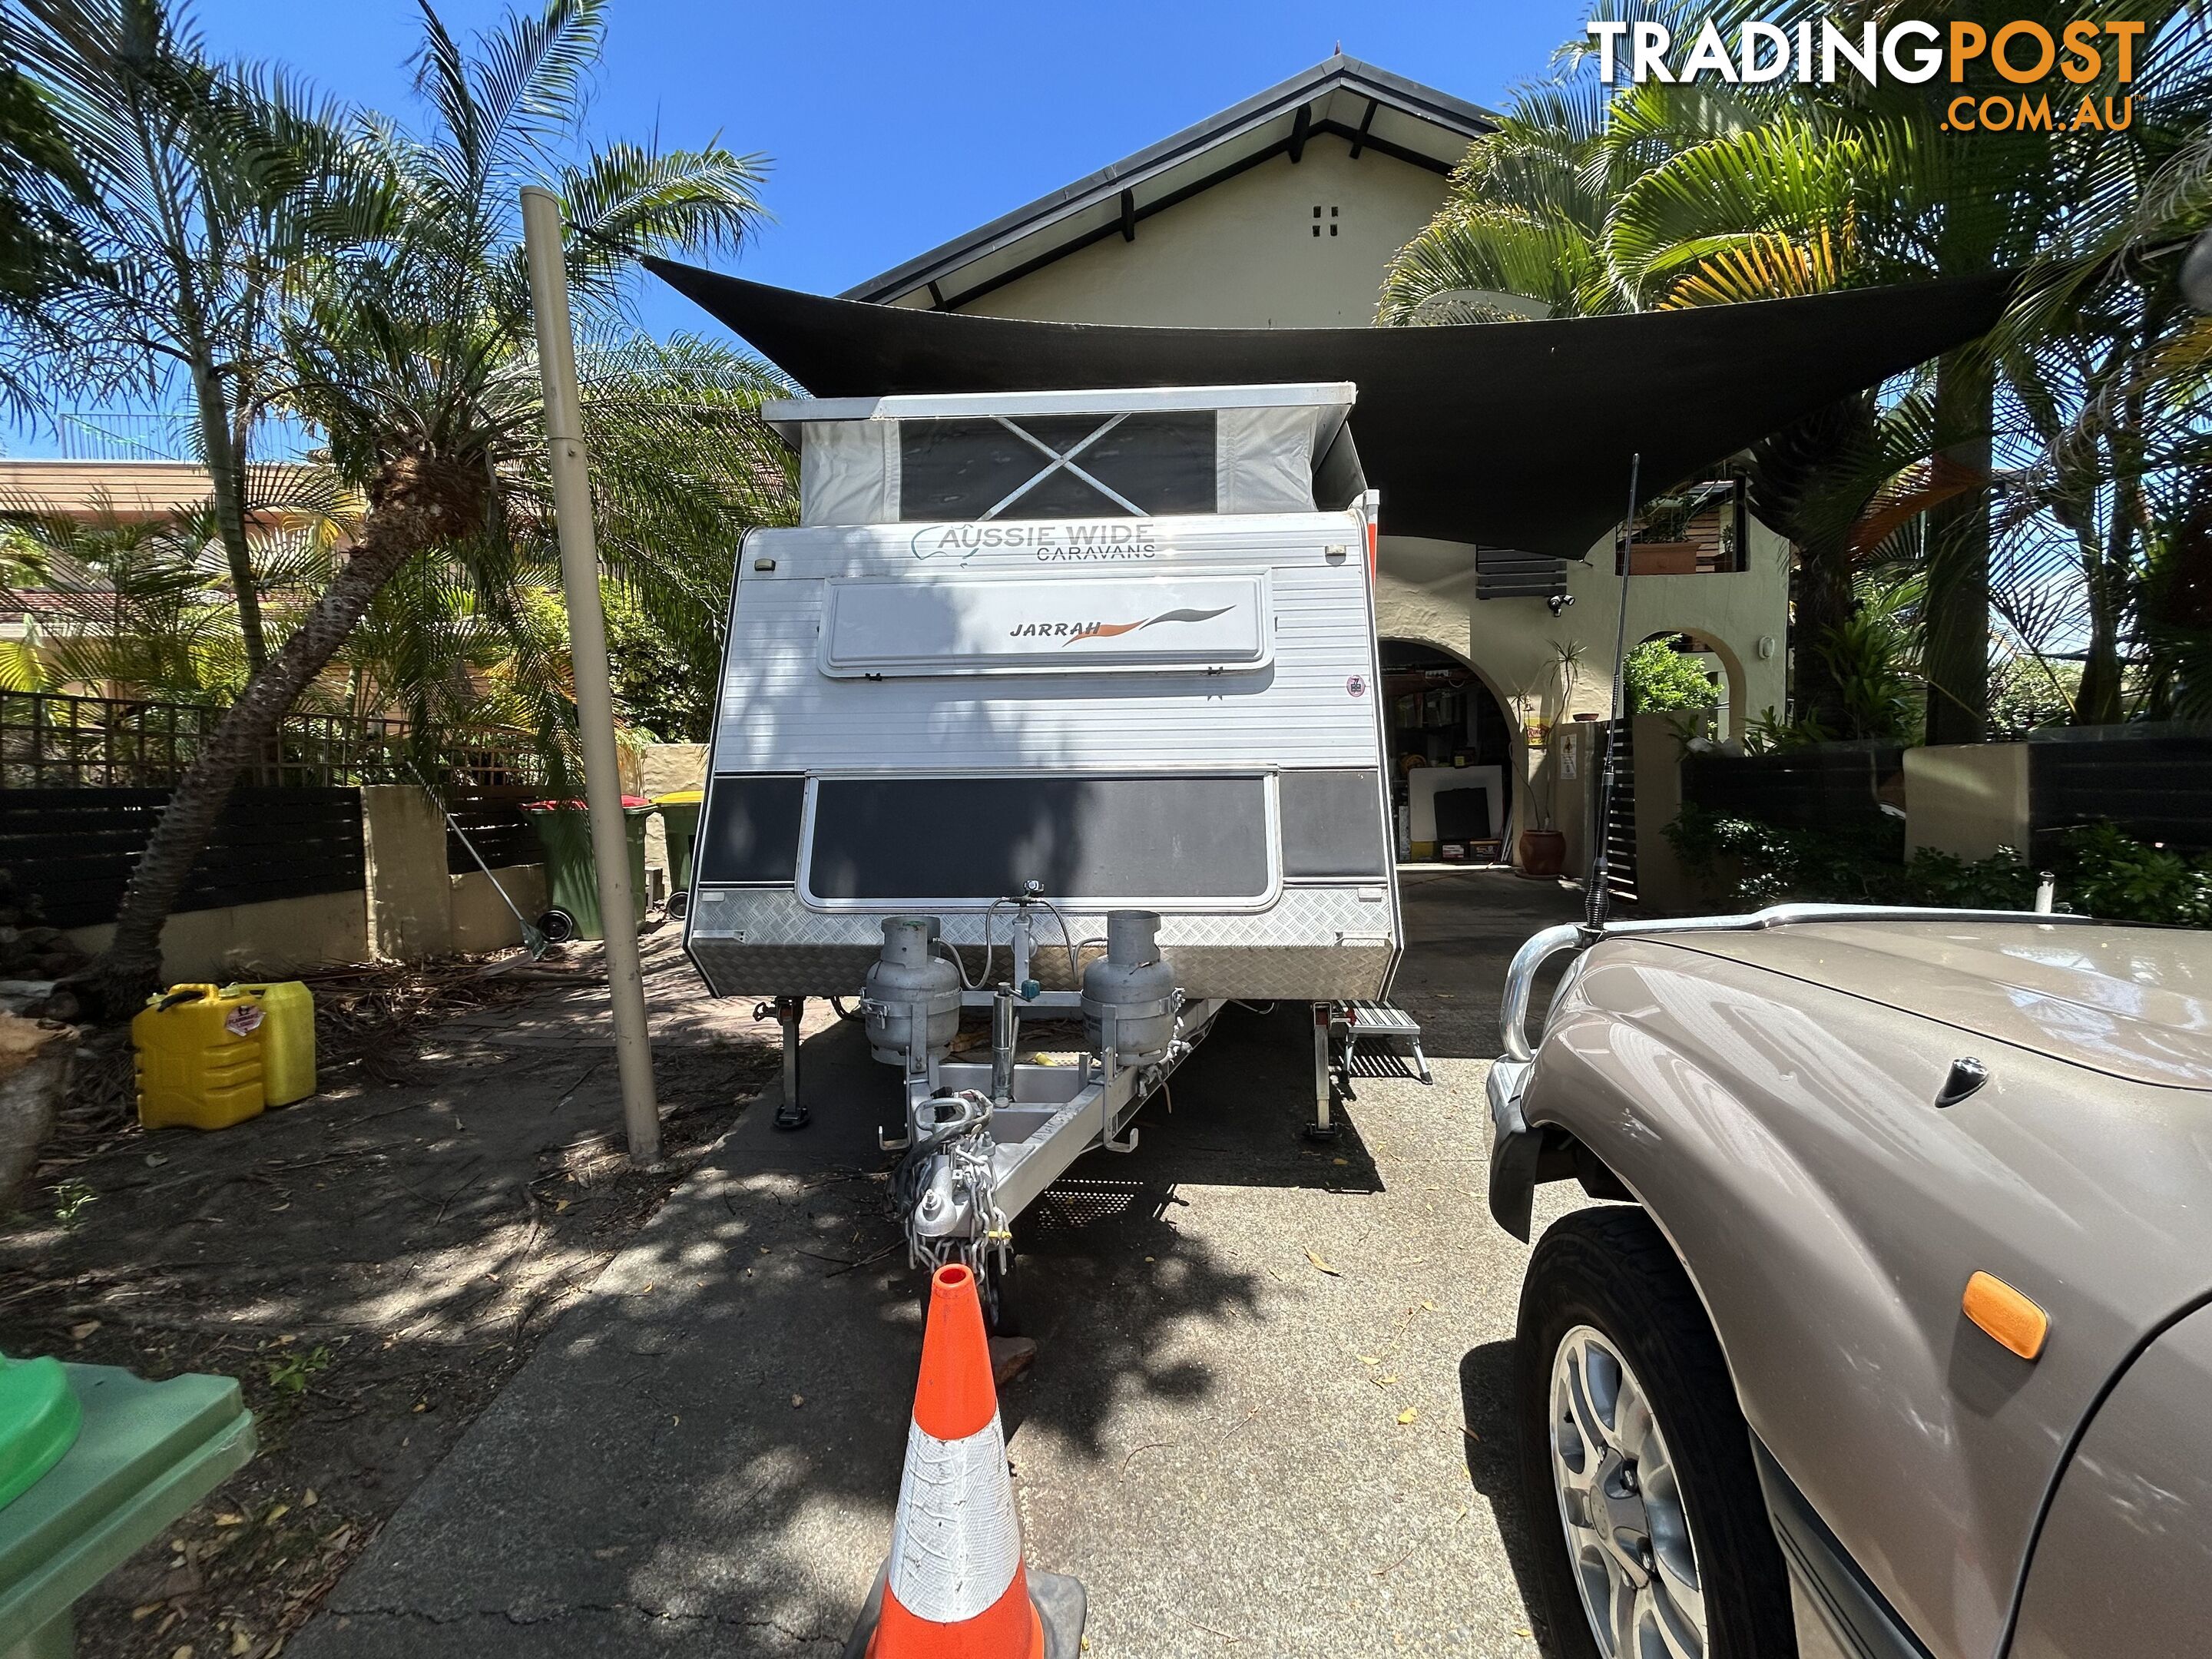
[(2091, 61), (1109, 541)]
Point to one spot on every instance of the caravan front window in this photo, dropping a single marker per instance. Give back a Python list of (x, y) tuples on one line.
[(1058, 466)]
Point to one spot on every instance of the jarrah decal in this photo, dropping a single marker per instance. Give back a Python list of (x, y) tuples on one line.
[(1070, 633)]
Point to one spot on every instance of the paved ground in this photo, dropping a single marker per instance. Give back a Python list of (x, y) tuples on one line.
[(1267, 1416)]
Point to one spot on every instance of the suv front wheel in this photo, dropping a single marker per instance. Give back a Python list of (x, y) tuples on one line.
[(1650, 1533)]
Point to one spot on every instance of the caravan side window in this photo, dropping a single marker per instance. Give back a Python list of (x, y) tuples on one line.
[(1058, 466)]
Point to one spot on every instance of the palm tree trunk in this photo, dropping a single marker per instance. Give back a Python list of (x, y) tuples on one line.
[(227, 478), (1956, 658), (393, 532), (2100, 701), (1824, 607)]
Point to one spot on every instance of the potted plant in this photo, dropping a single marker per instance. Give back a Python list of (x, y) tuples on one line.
[(1542, 851), (1662, 547)]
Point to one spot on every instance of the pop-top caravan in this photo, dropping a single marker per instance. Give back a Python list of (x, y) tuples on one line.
[(1060, 705)]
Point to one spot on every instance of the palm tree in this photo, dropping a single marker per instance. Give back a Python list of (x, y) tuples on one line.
[(1858, 183), (41, 187), (414, 354), (211, 192)]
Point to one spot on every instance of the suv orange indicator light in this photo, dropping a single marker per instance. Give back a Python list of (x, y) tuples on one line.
[(2009, 1319)]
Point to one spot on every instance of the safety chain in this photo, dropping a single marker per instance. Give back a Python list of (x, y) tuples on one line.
[(965, 1141)]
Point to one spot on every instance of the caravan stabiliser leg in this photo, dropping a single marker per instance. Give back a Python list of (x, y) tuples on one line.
[(1323, 1127), (790, 1112)]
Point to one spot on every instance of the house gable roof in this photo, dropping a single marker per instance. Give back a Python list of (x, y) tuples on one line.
[(1370, 108)]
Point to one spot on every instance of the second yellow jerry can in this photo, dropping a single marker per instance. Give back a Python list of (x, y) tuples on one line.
[(288, 1040), (198, 1055)]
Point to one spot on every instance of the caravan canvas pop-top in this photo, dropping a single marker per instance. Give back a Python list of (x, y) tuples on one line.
[(1063, 706)]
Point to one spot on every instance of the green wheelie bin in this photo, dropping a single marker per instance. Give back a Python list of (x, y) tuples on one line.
[(679, 822), (95, 1463), (572, 878)]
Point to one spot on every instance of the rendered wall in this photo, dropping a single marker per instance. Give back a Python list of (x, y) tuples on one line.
[(662, 768), (1243, 254), (1424, 592), (479, 920), (403, 836), (282, 936), (1967, 799)]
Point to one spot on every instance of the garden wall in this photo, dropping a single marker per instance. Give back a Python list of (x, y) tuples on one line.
[(2155, 782), (1826, 786), (294, 878)]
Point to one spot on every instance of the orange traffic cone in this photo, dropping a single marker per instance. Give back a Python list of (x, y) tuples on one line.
[(954, 1587)]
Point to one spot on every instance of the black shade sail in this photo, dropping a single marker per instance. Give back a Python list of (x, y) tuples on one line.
[(1507, 435)]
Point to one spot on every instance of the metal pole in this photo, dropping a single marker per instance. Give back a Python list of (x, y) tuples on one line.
[(587, 645)]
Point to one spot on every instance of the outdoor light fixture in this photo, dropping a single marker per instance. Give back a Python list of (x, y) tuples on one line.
[(1766, 647), (2196, 273)]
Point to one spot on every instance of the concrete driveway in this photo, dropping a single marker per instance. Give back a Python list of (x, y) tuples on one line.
[(1268, 1412)]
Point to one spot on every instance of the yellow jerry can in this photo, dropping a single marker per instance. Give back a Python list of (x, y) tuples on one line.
[(199, 1057), (288, 1040)]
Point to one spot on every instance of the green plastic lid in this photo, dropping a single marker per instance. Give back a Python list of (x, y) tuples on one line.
[(38, 1421)]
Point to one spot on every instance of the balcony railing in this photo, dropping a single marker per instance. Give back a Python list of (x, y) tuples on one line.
[(50, 741), (167, 435)]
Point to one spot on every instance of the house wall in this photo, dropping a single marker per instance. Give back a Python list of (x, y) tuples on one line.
[(1425, 589), (1243, 254)]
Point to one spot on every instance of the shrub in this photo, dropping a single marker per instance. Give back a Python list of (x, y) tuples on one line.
[(1657, 677), (2101, 870)]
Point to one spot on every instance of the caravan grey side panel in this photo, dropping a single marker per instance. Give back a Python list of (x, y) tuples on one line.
[(1333, 824), (919, 839)]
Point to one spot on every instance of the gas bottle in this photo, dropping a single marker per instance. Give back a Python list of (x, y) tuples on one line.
[(198, 1055)]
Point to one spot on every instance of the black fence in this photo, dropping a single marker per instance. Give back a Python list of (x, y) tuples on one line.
[(75, 848), (50, 741), (1829, 786), (495, 825), (2156, 786)]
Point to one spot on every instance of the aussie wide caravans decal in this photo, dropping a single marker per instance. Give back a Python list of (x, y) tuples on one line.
[(1110, 541), (1074, 633)]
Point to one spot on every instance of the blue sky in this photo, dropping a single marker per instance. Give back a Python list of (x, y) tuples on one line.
[(890, 128), (893, 127)]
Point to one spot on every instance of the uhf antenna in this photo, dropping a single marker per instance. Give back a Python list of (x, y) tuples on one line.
[(1598, 899)]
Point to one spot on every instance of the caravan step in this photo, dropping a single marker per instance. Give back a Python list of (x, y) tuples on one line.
[(1379, 1023)]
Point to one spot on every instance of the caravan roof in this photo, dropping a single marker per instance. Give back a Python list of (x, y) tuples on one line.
[(1139, 451)]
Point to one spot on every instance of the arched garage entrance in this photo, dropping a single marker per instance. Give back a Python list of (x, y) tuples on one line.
[(1451, 757)]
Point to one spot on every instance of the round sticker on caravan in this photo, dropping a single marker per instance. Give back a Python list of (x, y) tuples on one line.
[(1355, 687)]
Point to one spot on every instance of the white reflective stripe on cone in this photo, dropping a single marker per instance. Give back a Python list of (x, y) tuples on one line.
[(956, 1544)]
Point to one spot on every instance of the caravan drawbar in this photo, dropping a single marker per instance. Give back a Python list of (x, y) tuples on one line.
[(1055, 707)]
